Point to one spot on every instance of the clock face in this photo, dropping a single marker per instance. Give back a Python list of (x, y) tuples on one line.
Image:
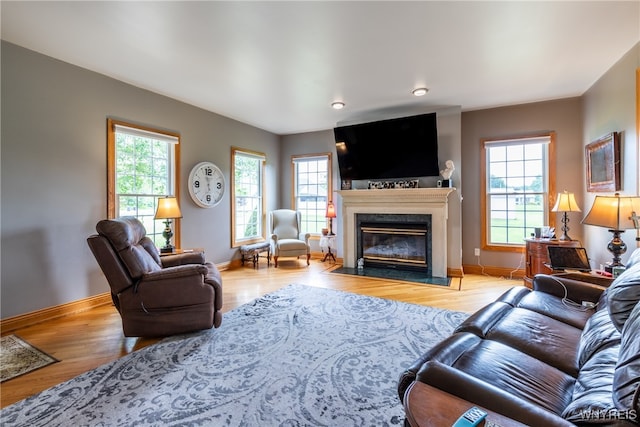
[(206, 184)]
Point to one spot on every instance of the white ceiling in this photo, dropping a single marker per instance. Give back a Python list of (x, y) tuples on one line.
[(279, 65)]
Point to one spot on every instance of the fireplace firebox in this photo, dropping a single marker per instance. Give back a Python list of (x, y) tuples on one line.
[(399, 241)]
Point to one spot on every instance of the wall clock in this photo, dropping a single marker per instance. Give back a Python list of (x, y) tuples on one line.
[(206, 184)]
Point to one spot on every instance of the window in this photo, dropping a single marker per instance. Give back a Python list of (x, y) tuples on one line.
[(312, 187), (142, 166), (517, 182), (247, 189)]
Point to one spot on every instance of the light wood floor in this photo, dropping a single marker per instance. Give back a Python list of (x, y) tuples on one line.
[(89, 339)]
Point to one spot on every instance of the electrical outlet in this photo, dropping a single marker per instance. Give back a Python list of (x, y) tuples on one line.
[(476, 251)]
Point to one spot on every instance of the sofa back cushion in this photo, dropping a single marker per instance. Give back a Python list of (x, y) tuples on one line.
[(128, 237), (598, 334), (626, 382), (623, 295)]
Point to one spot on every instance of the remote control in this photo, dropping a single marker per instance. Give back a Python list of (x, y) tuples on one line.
[(472, 417)]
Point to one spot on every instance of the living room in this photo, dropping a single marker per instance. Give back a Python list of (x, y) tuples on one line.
[(54, 167)]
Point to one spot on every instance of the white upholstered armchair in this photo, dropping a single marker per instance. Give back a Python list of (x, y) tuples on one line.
[(286, 238)]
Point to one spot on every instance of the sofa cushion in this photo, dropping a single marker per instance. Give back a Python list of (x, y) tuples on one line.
[(554, 307), (626, 389), (623, 295), (544, 338), (598, 334)]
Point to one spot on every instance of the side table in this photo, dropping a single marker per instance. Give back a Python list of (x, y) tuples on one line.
[(180, 251), (328, 243), (431, 406)]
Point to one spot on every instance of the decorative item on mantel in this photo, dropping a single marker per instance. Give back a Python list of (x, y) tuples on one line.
[(168, 209), (403, 183), (446, 174), (617, 213), (566, 202)]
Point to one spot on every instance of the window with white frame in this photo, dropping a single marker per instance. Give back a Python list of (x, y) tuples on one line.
[(142, 168), (247, 189), (312, 189), (517, 182)]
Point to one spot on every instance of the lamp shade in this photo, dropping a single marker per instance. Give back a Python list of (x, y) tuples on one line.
[(168, 208), (331, 210), (566, 202), (614, 212)]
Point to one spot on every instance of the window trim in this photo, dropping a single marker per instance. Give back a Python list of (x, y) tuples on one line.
[(295, 157), (551, 168), (234, 242), (111, 168)]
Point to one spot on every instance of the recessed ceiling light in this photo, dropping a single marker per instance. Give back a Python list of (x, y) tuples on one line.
[(337, 105), (420, 91)]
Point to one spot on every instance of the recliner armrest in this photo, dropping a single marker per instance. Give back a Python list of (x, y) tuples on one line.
[(465, 386), (182, 259), (176, 272), (575, 290)]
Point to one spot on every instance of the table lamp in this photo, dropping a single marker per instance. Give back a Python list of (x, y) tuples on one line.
[(617, 213), (331, 213), (168, 209), (566, 202)]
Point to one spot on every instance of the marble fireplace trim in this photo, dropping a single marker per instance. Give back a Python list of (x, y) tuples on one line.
[(433, 201)]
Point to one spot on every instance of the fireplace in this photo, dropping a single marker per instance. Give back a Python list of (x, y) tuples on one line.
[(399, 241), (412, 201)]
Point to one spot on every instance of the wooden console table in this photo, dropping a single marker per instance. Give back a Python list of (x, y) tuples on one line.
[(434, 407), (537, 256)]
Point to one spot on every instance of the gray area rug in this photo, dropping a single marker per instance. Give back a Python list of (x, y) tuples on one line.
[(301, 356)]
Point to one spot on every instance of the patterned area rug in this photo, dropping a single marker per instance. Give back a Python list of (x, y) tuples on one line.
[(18, 357), (301, 356)]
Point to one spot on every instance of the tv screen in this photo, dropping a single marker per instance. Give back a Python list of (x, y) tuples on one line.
[(406, 147)]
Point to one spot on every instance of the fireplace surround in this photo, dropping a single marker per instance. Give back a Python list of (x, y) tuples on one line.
[(418, 201)]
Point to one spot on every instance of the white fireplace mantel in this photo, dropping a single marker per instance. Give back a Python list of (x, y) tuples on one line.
[(433, 201)]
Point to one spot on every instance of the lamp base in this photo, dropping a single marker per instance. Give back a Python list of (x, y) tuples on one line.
[(167, 249), (617, 247)]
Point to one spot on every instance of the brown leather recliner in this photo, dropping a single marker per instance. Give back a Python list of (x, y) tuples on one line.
[(156, 296)]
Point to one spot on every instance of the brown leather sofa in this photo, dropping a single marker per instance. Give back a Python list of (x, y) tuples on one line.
[(537, 358), (156, 296)]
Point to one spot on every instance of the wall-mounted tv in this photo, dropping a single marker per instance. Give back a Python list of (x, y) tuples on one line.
[(405, 147)]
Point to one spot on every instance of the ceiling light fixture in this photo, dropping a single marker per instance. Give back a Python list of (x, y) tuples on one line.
[(420, 91), (337, 105)]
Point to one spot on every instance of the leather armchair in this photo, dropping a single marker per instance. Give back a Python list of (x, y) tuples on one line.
[(287, 240), (155, 296)]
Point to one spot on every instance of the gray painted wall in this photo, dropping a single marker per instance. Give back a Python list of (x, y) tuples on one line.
[(564, 117), (54, 173), (610, 105)]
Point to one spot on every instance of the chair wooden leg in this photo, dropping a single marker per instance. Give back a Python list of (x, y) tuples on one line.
[(308, 258), (275, 260)]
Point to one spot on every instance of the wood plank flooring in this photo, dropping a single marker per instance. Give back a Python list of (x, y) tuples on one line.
[(91, 338)]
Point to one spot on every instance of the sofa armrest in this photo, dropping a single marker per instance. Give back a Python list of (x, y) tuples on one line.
[(573, 289), (182, 259), (465, 386)]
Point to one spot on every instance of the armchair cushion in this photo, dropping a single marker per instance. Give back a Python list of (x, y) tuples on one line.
[(285, 224)]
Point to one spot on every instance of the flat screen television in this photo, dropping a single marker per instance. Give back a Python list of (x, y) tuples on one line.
[(405, 147)]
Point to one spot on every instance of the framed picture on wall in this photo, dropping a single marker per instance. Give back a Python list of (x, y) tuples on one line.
[(603, 163)]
